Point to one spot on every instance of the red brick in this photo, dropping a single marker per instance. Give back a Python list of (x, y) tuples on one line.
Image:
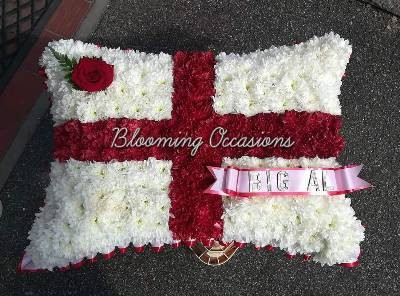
[(11, 48), (24, 11), (15, 102), (10, 19), (8, 130), (20, 94), (11, 33), (39, 4), (24, 25), (10, 5), (22, 2), (68, 17)]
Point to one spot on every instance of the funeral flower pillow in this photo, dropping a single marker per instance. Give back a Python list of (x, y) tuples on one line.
[(103, 198)]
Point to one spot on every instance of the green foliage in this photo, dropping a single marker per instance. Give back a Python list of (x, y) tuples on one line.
[(66, 64)]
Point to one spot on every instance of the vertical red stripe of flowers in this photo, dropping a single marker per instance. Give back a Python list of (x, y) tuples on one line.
[(194, 214)]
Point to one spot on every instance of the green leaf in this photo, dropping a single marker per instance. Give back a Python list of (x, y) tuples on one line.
[(66, 64)]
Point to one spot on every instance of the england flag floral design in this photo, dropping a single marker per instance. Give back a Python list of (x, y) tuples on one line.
[(102, 198)]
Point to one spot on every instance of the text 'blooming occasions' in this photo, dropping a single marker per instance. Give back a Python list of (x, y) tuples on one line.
[(218, 138)]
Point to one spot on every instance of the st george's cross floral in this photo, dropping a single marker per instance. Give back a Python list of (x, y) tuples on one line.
[(105, 195)]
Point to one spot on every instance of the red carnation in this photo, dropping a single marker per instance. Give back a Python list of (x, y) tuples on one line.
[(92, 74)]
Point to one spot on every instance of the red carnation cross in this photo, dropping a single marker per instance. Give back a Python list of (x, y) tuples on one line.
[(194, 214)]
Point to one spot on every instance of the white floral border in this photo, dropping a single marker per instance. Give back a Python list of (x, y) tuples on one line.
[(321, 226), (93, 207), (142, 86), (303, 77)]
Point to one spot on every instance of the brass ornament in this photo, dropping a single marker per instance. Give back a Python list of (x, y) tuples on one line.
[(215, 255)]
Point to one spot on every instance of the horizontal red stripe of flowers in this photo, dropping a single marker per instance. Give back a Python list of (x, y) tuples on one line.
[(313, 134)]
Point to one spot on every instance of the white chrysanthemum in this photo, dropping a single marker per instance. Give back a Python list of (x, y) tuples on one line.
[(325, 227), (142, 86), (303, 77), (91, 208)]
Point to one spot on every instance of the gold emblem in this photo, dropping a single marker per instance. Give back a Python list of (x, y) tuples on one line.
[(215, 255)]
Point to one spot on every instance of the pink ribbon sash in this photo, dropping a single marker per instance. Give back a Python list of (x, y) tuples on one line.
[(241, 182)]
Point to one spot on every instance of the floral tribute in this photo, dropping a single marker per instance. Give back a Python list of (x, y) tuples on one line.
[(92, 74), (89, 74), (103, 198)]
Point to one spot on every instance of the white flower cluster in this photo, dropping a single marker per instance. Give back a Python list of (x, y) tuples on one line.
[(94, 207), (303, 77), (321, 226), (142, 86)]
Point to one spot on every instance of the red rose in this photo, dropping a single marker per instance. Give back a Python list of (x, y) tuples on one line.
[(92, 74)]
